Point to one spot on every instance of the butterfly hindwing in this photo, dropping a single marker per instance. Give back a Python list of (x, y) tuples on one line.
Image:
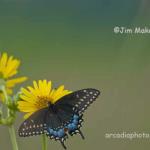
[(60, 122), (71, 121), (55, 128), (34, 125)]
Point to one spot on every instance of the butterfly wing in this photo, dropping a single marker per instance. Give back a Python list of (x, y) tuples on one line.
[(35, 124), (79, 100)]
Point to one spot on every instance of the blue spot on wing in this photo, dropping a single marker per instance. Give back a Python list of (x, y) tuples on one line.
[(56, 133), (61, 133), (76, 117), (73, 125), (75, 122), (50, 130)]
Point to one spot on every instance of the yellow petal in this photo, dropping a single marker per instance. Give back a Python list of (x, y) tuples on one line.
[(3, 61), (35, 85), (28, 99), (28, 115), (11, 83), (58, 91), (40, 88), (27, 93), (13, 68), (26, 107)]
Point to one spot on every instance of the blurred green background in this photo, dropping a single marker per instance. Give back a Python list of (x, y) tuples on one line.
[(72, 42)]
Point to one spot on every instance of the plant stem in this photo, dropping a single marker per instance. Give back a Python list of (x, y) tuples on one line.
[(13, 137), (5, 94), (44, 142), (10, 127)]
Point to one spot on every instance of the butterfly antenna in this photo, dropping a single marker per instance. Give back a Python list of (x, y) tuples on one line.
[(63, 145), (81, 134)]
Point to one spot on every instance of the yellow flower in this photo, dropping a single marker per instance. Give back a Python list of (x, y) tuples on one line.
[(9, 68), (39, 96)]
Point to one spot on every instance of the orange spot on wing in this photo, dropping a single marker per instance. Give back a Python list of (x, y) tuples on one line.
[(65, 129)]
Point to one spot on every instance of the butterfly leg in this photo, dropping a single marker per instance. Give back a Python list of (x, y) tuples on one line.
[(81, 134), (63, 145)]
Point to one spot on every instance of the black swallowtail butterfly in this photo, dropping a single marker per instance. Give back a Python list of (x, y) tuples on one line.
[(61, 118)]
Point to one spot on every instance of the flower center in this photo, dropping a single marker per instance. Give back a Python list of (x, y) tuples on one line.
[(43, 101)]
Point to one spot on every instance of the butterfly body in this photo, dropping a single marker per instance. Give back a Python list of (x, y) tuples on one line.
[(61, 118)]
